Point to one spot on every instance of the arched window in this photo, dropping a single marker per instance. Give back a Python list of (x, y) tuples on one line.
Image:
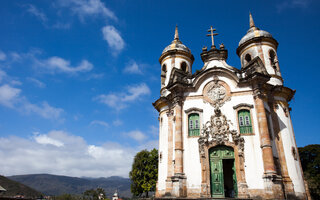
[(245, 124), (273, 61), (194, 124), (184, 66), (164, 68), (248, 58), (272, 56)]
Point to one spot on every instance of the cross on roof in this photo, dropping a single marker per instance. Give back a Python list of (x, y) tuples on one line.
[(212, 34)]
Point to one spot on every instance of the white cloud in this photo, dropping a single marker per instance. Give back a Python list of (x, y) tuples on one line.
[(119, 101), (44, 110), (45, 139), (59, 152), (57, 64), (117, 122), (36, 12), (134, 92), (113, 38), (53, 64), (101, 123), (289, 4), (3, 74), (86, 8), (36, 82), (3, 56), (136, 135), (132, 68), (8, 95)]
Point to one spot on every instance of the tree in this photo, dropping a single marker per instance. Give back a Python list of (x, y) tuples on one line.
[(92, 194), (310, 161), (144, 172)]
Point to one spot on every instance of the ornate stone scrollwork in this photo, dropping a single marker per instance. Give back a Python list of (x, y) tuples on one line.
[(217, 131), (216, 94)]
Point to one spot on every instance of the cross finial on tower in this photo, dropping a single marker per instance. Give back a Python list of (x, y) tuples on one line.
[(212, 34), (176, 34), (251, 21)]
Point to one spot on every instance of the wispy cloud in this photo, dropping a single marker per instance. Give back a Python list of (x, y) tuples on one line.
[(36, 12), (289, 4), (113, 38), (38, 83), (3, 56), (57, 64), (48, 152), (86, 8), (11, 97), (53, 64), (121, 100), (100, 123), (132, 68), (117, 122), (136, 135)]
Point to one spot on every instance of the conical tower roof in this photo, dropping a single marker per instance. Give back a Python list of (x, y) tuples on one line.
[(254, 32), (176, 44)]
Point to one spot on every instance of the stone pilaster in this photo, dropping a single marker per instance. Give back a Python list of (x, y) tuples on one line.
[(178, 167), (265, 142), (170, 153), (287, 182), (179, 188)]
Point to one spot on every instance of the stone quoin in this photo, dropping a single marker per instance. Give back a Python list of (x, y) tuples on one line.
[(226, 132)]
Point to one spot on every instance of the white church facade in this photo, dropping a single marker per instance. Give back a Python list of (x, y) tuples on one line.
[(224, 131)]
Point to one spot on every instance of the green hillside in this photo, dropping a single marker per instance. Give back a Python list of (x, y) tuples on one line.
[(57, 185), (15, 188)]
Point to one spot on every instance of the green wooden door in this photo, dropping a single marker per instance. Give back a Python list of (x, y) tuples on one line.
[(216, 155)]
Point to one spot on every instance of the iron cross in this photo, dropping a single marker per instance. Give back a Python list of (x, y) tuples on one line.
[(212, 34)]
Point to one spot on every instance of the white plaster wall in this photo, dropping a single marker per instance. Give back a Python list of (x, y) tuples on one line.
[(192, 165), (289, 142), (252, 152), (163, 148)]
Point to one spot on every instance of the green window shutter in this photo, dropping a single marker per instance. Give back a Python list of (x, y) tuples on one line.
[(245, 124), (194, 124)]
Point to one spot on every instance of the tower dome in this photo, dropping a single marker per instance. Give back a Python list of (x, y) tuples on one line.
[(176, 44), (254, 34)]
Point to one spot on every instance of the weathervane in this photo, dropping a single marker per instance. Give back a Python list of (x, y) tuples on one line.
[(212, 34)]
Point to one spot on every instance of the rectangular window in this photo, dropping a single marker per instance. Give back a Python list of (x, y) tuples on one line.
[(194, 122), (244, 122)]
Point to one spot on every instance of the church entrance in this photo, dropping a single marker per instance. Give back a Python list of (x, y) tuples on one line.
[(222, 171)]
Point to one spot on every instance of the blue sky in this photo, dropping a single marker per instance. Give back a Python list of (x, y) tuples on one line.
[(78, 77)]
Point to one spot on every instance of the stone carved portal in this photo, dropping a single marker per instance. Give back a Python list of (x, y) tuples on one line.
[(216, 132)]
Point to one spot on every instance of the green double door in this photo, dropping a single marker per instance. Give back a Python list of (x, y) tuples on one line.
[(223, 174)]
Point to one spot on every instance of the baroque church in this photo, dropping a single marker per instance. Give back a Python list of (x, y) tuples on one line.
[(226, 132)]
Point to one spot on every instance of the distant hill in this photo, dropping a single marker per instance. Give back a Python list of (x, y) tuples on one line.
[(14, 188), (57, 185)]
